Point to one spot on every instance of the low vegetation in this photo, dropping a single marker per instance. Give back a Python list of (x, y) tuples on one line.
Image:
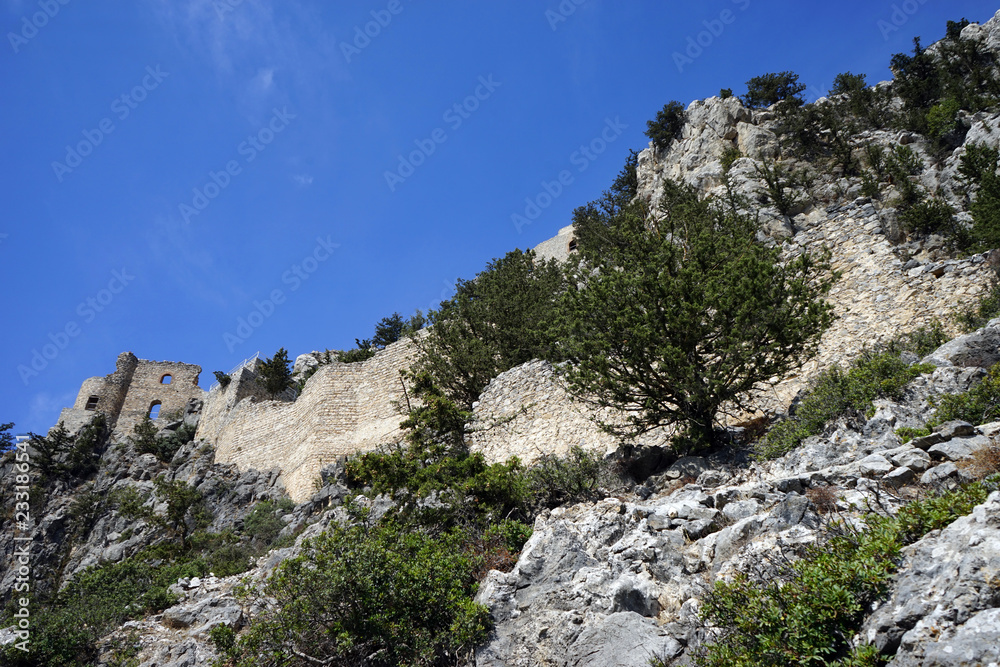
[(880, 372), (809, 611), (373, 594), (979, 405)]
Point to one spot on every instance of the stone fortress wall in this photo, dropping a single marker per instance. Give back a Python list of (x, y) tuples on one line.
[(136, 386), (527, 412), (343, 409)]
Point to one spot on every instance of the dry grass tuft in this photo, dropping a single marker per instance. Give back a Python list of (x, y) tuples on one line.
[(823, 497), (983, 462)]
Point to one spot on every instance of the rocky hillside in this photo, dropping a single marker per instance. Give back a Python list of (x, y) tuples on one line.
[(854, 521)]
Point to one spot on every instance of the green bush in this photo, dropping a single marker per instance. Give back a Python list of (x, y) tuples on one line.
[(64, 629), (942, 118), (931, 216), (979, 405), (558, 480), (978, 167), (511, 533), (838, 392), (810, 612), (772, 88), (667, 126), (778, 186), (977, 314), (907, 433), (373, 595), (263, 523), (726, 93), (163, 447), (222, 378), (497, 321)]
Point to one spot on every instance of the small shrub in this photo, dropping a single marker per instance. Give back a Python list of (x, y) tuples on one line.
[(930, 216), (808, 612), (907, 433), (263, 524), (942, 119), (979, 405), (730, 155), (778, 187), (558, 480), (222, 378), (223, 638), (374, 595), (921, 341), (667, 126), (511, 533), (838, 392), (869, 186), (977, 315), (726, 93)]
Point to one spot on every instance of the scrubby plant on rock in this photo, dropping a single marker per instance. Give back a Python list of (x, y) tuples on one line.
[(879, 372), (809, 611), (772, 88), (667, 126), (366, 594)]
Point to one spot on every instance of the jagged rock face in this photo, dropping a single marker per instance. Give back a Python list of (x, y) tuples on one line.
[(229, 496), (620, 581), (944, 607)]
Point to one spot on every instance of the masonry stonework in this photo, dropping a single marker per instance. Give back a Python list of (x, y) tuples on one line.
[(126, 396), (343, 409)]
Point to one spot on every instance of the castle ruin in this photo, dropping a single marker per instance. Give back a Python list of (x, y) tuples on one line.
[(137, 389)]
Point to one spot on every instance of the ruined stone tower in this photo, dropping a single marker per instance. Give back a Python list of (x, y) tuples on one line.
[(138, 388)]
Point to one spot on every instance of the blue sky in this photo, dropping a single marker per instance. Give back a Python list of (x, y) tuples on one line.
[(174, 167)]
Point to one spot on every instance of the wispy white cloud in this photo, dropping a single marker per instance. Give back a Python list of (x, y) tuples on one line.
[(264, 81), (302, 180), (250, 43), (45, 408)]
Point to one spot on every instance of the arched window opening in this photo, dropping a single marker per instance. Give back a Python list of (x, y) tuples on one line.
[(166, 379), (92, 403), (154, 410)]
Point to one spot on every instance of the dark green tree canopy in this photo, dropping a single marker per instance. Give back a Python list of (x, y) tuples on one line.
[(276, 373), (771, 88), (593, 224), (675, 315), (498, 320), (667, 126)]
